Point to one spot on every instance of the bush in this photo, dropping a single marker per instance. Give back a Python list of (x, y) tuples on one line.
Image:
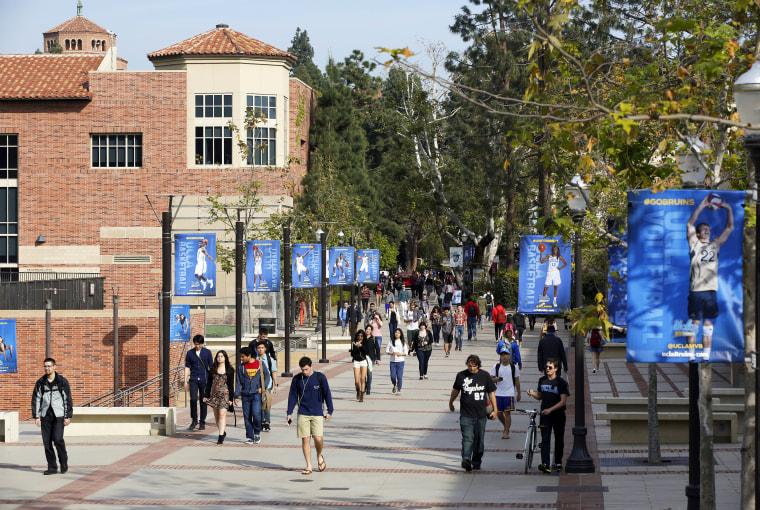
[(505, 287)]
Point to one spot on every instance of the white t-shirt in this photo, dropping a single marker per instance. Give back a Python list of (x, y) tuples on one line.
[(393, 350), (505, 388)]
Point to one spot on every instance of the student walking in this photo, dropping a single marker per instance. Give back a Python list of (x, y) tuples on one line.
[(423, 347), (52, 409), (219, 392), (359, 357), (552, 392), (398, 350)]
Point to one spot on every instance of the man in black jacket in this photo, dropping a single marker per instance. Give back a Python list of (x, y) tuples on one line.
[(52, 409), (550, 346)]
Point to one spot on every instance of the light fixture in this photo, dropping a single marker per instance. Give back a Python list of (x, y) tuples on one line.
[(319, 234), (41, 239), (341, 234), (577, 196), (746, 92)]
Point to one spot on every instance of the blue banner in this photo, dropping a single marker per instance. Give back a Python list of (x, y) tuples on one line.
[(262, 266), (367, 266), (340, 265), (545, 275), (181, 330), (195, 265), (8, 353), (685, 276), (617, 281), (307, 269)]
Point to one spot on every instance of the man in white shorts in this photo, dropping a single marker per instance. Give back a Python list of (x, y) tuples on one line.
[(200, 265), (300, 266), (507, 386)]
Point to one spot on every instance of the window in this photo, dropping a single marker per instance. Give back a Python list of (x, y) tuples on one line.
[(213, 105), (8, 225), (8, 156), (262, 147), (213, 145), (265, 106), (123, 151)]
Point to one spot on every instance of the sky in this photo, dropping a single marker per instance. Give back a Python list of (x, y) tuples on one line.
[(335, 27)]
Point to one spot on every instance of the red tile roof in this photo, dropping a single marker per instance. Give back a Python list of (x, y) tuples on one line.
[(77, 24), (221, 41), (45, 76)]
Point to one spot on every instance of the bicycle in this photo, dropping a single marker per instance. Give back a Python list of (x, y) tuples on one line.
[(531, 438)]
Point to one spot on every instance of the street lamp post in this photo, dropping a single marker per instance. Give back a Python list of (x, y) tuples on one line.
[(693, 177), (747, 96), (579, 460), (322, 238)]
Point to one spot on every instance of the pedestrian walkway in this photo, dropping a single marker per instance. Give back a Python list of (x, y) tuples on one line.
[(389, 451)]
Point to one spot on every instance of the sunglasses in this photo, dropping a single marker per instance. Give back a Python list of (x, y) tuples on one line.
[(549, 367)]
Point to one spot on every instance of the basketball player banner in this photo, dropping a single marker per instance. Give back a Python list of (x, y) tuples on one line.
[(340, 265), (367, 266), (262, 266), (8, 353), (307, 269), (545, 275), (685, 276), (180, 330), (195, 264)]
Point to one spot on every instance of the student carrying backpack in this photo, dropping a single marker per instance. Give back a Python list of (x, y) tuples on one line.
[(595, 340)]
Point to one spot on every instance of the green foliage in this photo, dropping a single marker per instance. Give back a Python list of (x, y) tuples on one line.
[(55, 48), (304, 68), (505, 287)]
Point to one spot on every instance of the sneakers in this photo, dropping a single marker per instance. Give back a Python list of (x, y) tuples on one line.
[(557, 467), (202, 426), (265, 427), (467, 465), (394, 388), (256, 439), (211, 286), (193, 425), (544, 469), (447, 354), (593, 371), (249, 441)]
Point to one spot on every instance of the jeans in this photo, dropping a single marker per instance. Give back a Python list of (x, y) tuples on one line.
[(392, 327), (458, 334), (251, 414), (397, 373), (436, 333), (52, 435), (379, 341), (472, 327), (197, 388), (423, 357), (473, 439), (555, 422)]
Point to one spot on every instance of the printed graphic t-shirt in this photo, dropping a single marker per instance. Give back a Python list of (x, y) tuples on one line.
[(474, 390), (252, 368)]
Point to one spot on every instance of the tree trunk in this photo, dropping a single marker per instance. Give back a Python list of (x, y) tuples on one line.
[(749, 464), (706, 461), (655, 455)]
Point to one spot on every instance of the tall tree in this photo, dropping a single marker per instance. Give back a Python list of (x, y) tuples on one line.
[(304, 69)]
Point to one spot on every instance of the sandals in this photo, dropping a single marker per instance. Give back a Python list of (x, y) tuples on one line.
[(306, 472), (321, 465)]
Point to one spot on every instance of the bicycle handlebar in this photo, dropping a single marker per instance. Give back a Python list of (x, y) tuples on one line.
[(528, 411)]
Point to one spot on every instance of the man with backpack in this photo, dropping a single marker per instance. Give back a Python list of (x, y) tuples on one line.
[(506, 376), (52, 409), (309, 391), (473, 313), (266, 359), (499, 316), (519, 320)]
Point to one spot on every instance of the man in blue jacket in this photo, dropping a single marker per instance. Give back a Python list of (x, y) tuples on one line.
[(309, 390), (248, 390)]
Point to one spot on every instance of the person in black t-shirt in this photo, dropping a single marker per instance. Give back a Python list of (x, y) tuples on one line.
[(552, 392), (478, 389)]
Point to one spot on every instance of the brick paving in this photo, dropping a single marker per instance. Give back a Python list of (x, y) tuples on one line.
[(386, 452)]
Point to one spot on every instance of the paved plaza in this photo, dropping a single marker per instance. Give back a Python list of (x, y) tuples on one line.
[(389, 451)]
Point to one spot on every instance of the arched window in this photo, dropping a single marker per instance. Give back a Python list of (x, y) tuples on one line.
[(103, 45), (68, 44), (79, 44)]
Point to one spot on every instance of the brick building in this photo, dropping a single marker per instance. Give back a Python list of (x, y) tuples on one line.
[(85, 143)]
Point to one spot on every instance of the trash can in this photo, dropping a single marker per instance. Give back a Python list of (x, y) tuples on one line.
[(268, 325)]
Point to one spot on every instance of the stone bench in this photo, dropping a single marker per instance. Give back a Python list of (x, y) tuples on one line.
[(727, 395), (641, 404), (8, 427), (613, 350), (632, 428), (123, 421)]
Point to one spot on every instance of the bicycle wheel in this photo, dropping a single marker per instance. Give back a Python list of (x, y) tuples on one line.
[(530, 438)]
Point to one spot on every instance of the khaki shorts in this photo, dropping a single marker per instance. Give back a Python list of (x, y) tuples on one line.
[(309, 426)]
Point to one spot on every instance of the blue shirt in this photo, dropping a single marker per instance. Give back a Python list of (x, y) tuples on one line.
[(199, 371), (311, 391)]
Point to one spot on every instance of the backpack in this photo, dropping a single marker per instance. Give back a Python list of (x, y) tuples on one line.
[(472, 311), (512, 366), (595, 340)]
